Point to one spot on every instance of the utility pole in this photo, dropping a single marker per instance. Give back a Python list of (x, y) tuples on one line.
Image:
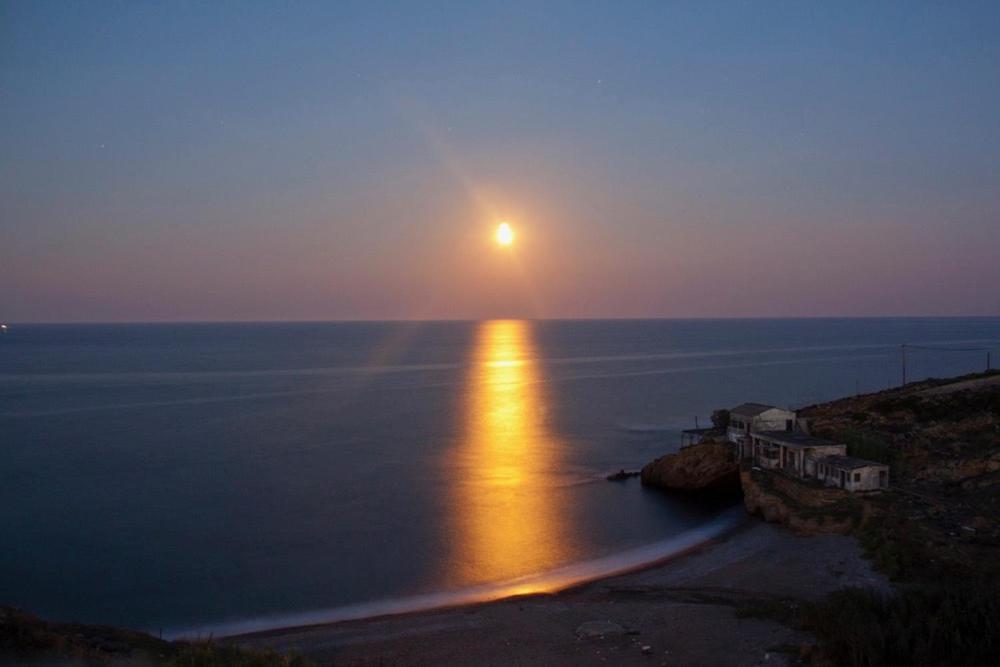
[(902, 356), (988, 367)]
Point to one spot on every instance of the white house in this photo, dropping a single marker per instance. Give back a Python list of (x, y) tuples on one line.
[(792, 451), (774, 439), (755, 417), (853, 474)]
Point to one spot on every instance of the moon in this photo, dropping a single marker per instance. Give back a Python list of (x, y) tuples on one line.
[(504, 234)]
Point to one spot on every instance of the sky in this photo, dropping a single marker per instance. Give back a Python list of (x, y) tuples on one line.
[(196, 161)]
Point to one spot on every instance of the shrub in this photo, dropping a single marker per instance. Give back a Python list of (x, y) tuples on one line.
[(720, 419), (868, 446), (208, 653), (956, 624), (898, 404)]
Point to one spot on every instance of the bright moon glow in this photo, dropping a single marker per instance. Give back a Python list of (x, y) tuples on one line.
[(505, 235)]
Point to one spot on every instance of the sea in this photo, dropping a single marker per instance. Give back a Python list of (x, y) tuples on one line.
[(209, 479)]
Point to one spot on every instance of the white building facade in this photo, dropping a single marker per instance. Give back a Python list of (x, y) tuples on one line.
[(748, 418), (773, 439), (847, 472)]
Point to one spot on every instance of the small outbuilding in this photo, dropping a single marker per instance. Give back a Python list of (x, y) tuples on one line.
[(847, 472)]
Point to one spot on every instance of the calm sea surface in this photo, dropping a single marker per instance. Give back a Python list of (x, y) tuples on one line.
[(232, 477)]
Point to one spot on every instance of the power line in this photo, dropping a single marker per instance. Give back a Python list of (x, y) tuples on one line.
[(948, 349), (904, 346)]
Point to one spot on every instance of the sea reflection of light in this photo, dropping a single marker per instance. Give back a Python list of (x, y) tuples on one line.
[(509, 520)]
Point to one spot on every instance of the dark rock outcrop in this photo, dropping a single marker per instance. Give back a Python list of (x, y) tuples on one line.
[(622, 475), (707, 467)]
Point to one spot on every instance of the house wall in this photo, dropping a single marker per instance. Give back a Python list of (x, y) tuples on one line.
[(773, 420), (869, 478), (805, 458), (815, 453), (766, 454), (735, 432), (858, 479), (828, 474)]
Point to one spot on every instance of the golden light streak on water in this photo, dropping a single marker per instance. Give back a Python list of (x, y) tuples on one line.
[(510, 521)]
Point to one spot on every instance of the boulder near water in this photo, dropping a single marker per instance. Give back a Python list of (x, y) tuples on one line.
[(707, 467)]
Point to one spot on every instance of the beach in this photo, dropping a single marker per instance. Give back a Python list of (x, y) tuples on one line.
[(716, 604)]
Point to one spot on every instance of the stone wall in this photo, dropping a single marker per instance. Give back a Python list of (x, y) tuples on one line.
[(806, 507)]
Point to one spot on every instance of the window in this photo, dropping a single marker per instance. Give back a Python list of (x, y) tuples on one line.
[(857, 477)]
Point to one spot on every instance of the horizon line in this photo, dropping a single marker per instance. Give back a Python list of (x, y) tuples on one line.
[(487, 319)]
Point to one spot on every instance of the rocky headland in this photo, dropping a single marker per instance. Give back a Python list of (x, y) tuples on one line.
[(709, 467), (935, 531)]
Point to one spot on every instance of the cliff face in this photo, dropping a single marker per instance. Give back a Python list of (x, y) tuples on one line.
[(808, 509), (708, 467)]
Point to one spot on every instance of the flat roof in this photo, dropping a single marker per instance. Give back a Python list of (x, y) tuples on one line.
[(750, 409), (795, 439), (849, 462)]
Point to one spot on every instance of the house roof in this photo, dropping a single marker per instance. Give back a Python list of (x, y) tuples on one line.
[(796, 439), (750, 409), (849, 462)]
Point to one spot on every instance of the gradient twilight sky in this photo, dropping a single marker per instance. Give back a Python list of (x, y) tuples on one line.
[(339, 160)]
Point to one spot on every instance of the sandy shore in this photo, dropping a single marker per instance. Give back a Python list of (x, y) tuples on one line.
[(684, 610)]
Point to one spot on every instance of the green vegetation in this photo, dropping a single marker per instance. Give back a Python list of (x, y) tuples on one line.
[(949, 407), (893, 548), (933, 534), (867, 446), (945, 625), (720, 419), (209, 654), (911, 404)]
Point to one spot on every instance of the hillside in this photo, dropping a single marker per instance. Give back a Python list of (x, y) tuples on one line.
[(942, 441)]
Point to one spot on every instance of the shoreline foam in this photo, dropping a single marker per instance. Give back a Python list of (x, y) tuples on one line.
[(553, 581)]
